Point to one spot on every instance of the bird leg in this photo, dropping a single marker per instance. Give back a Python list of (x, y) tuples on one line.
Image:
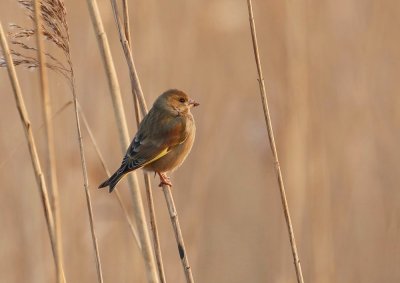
[(165, 180)]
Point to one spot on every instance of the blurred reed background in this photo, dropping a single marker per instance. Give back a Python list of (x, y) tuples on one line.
[(330, 69)]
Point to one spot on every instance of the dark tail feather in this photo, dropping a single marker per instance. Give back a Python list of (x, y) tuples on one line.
[(112, 181)]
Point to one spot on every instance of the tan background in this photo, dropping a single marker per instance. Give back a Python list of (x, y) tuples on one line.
[(332, 72)]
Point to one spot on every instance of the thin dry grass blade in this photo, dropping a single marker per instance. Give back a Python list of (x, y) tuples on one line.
[(49, 132), (31, 143), (299, 274), (107, 171), (87, 192), (86, 185)]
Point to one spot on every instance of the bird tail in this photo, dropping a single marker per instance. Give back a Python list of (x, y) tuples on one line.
[(112, 181)]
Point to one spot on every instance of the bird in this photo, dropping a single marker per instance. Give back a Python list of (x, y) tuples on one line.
[(164, 139)]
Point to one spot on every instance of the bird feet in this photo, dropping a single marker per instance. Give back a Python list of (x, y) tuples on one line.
[(165, 180)]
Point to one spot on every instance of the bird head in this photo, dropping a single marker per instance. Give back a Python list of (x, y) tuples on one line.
[(176, 101)]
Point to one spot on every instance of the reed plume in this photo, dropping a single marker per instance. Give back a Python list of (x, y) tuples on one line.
[(54, 29)]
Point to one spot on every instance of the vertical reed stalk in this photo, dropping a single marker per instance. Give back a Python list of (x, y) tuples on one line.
[(178, 233), (299, 274), (31, 144), (49, 132), (127, 28), (129, 39), (86, 183), (154, 229), (137, 89), (149, 193), (124, 138), (71, 78)]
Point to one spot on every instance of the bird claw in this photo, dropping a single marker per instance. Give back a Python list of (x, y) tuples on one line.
[(165, 180)]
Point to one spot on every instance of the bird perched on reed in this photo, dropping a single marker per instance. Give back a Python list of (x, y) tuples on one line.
[(164, 138)]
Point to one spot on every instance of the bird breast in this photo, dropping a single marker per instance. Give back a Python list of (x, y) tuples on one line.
[(175, 157)]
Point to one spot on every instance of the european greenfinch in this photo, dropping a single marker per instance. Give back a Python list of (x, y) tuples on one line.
[(164, 138)]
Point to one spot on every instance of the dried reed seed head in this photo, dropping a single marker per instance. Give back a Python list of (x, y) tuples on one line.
[(55, 30), (54, 26), (49, 56)]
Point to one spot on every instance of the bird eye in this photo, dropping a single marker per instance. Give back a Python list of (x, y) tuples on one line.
[(181, 100)]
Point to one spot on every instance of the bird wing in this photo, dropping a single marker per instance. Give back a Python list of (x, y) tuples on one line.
[(157, 135)]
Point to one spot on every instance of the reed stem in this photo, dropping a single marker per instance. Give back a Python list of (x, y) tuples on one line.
[(86, 185), (124, 139), (31, 143), (267, 116), (49, 133), (149, 193)]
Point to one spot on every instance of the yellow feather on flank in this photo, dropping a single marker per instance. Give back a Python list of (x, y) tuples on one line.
[(161, 154)]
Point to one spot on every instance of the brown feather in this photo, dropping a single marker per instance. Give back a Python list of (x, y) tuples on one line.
[(164, 138)]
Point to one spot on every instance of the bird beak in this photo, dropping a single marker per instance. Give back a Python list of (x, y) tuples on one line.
[(193, 103)]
